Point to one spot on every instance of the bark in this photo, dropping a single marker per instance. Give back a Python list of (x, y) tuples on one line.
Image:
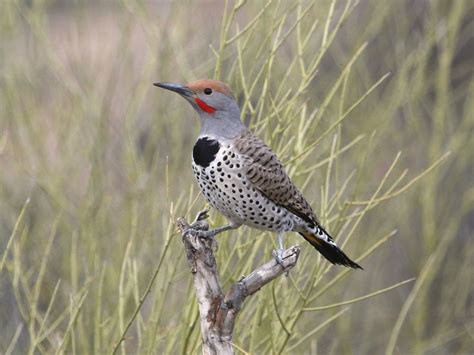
[(218, 311)]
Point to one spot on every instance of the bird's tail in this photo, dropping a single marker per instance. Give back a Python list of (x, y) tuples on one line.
[(323, 243)]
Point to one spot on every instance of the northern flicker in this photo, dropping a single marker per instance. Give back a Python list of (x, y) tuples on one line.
[(242, 178)]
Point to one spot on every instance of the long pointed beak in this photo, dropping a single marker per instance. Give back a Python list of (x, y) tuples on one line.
[(180, 89)]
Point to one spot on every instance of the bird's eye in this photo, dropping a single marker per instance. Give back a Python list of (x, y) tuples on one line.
[(208, 91)]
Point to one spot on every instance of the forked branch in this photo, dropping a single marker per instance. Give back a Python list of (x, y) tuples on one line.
[(217, 311)]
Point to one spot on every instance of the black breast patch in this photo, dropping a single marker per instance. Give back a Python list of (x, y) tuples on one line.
[(205, 151)]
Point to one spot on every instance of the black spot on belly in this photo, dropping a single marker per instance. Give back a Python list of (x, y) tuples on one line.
[(205, 151)]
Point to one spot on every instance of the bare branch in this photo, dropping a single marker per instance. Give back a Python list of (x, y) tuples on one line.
[(218, 312)]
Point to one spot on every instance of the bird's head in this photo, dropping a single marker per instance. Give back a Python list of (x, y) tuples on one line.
[(214, 102)]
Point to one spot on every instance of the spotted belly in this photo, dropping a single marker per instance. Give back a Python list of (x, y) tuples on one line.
[(223, 183)]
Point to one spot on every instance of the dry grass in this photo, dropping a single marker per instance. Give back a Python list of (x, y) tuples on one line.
[(369, 104)]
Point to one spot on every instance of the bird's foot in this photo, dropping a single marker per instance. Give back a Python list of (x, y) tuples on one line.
[(278, 256), (201, 216), (208, 234), (199, 225), (200, 229)]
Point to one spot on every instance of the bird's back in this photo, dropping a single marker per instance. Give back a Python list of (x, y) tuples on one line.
[(267, 174)]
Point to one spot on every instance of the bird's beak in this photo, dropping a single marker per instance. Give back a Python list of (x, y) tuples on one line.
[(180, 89)]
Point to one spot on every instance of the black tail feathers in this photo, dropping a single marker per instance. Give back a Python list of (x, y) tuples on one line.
[(324, 244)]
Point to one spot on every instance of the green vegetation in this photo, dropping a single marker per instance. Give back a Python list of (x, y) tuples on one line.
[(370, 106)]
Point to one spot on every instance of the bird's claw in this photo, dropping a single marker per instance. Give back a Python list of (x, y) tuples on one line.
[(199, 229), (188, 232), (200, 223), (201, 216), (278, 256)]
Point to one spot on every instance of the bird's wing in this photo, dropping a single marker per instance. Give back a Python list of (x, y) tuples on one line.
[(266, 174)]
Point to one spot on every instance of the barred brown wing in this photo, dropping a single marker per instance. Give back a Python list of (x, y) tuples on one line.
[(266, 173)]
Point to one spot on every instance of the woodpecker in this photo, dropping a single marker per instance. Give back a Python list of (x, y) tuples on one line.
[(242, 178)]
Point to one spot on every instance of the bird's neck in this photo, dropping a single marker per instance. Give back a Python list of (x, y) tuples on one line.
[(222, 125)]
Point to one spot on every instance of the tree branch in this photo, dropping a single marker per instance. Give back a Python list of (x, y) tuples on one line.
[(217, 311)]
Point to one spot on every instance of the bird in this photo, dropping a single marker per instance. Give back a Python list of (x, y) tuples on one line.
[(242, 178)]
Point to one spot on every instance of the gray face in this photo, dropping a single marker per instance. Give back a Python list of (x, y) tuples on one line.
[(218, 113)]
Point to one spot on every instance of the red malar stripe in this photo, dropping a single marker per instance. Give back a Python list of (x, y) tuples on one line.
[(205, 107)]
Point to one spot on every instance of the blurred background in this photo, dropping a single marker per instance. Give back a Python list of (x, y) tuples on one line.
[(368, 103)]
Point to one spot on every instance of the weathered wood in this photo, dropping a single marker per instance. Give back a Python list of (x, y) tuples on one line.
[(217, 311)]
